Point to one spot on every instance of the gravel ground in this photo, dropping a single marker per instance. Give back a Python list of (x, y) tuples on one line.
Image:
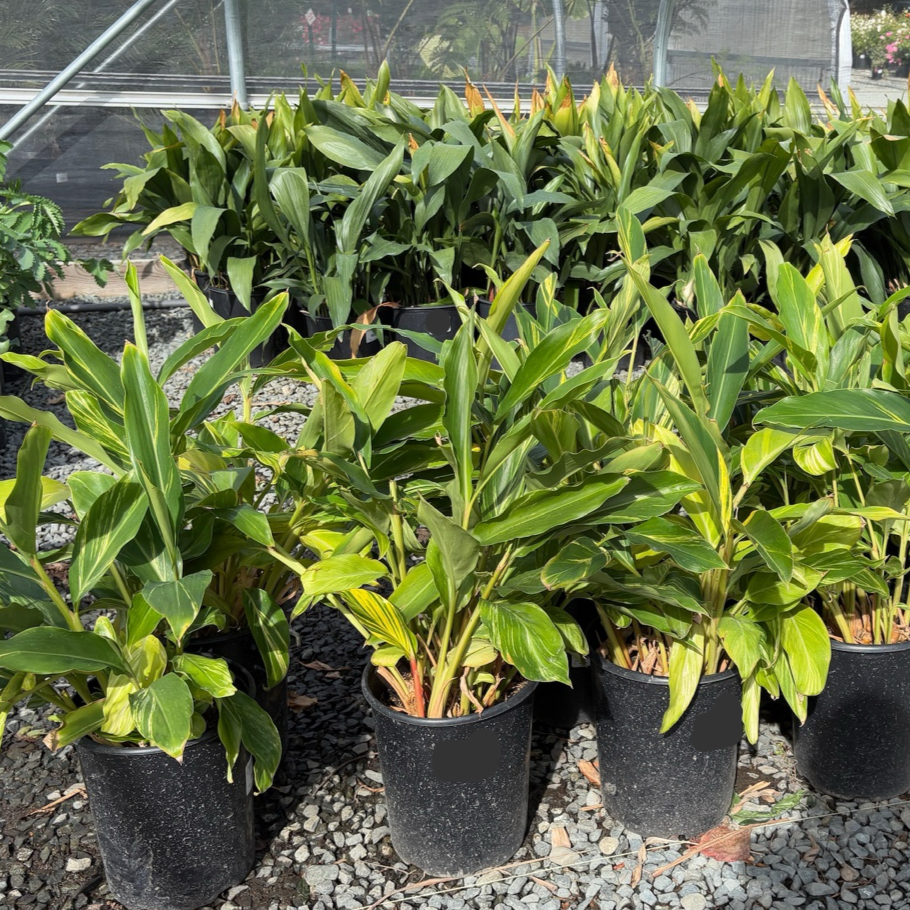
[(323, 836)]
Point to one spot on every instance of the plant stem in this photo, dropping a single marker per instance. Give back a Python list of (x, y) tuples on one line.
[(71, 617)]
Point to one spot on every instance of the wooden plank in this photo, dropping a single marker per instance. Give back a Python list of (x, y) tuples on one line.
[(76, 282)]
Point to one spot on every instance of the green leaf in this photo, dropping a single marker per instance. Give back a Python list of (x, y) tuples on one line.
[(646, 496), (358, 213), (85, 487), (147, 426), (677, 339), (728, 366), (551, 356), (808, 646), (163, 714), (381, 619), (208, 384), (112, 521), (82, 722), (86, 362), (23, 505), (458, 549), (416, 593), (861, 410), (212, 674), (174, 215), (55, 652), (344, 149), (688, 549), (762, 449), (772, 542), (269, 625), (460, 386), (250, 522), (686, 667), (341, 573), (543, 510), (377, 385), (527, 639), (576, 561), (868, 187), (800, 314), (178, 601), (743, 640), (242, 719)]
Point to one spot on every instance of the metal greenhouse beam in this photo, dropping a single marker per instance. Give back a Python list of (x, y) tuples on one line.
[(68, 73), (559, 48), (662, 41), (236, 63)]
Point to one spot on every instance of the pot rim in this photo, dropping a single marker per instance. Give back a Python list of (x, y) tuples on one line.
[(87, 743), (607, 666), (442, 722), (857, 648)]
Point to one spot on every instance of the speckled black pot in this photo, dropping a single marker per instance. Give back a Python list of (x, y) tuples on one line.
[(370, 344), (239, 647), (662, 785), (456, 789), (855, 743), (172, 835)]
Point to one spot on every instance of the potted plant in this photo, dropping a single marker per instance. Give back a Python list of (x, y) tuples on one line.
[(701, 608), (847, 482), (501, 485), (145, 714), (221, 530), (196, 185)]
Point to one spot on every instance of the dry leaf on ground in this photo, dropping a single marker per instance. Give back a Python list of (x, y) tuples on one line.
[(727, 844), (589, 772), (636, 872), (297, 701)]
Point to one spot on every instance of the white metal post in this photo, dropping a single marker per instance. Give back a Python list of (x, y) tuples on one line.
[(236, 62)]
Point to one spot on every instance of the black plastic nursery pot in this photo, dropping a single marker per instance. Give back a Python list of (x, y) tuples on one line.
[(456, 789), (173, 835), (239, 647), (561, 706), (439, 322), (855, 743), (673, 784), (370, 343)]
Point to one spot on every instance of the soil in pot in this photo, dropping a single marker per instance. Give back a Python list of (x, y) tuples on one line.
[(855, 743), (673, 784), (456, 788), (370, 343), (173, 835), (239, 647)]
